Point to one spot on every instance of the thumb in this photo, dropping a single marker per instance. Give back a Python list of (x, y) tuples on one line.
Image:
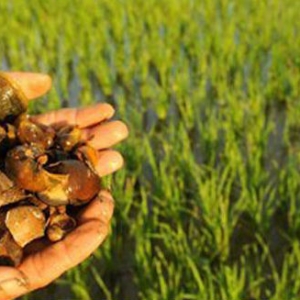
[(33, 85)]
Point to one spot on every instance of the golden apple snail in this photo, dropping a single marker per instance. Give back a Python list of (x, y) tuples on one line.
[(44, 170), (12, 100), (10, 252), (25, 223), (59, 225)]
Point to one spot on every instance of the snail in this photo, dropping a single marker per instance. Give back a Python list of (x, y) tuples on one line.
[(10, 252), (13, 102), (59, 224), (65, 182), (29, 132), (9, 193), (25, 223), (68, 137)]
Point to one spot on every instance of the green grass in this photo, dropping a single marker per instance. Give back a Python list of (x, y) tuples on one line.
[(207, 204)]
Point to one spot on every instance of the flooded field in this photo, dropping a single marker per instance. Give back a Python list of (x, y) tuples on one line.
[(207, 206)]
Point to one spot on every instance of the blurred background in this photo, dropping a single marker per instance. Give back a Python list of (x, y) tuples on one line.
[(207, 204)]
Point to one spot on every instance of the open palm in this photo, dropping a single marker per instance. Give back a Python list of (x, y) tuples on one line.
[(41, 267)]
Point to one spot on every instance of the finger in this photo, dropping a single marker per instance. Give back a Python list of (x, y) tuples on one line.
[(44, 267), (102, 208), (82, 117), (33, 85), (12, 284), (109, 161), (106, 135)]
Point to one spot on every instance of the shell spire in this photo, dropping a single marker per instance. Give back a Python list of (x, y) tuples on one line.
[(13, 102)]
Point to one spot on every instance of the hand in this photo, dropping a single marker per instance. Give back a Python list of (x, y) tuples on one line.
[(42, 267)]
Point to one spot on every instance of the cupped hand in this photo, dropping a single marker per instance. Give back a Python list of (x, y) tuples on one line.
[(42, 267)]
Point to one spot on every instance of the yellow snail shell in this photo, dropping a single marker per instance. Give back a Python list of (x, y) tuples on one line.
[(13, 102)]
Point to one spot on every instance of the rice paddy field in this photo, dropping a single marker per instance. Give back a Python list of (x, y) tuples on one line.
[(207, 206)]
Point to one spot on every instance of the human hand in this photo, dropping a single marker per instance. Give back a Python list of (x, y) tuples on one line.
[(41, 267)]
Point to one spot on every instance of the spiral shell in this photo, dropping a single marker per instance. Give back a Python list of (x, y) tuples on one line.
[(13, 102)]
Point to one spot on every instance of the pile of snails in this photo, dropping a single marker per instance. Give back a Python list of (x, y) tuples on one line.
[(44, 172)]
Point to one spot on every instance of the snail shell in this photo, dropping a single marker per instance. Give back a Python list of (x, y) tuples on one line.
[(25, 223), (10, 252), (12, 100)]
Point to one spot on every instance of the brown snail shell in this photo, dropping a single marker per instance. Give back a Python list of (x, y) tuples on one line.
[(30, 132), (13, 102), (68, 137), (60, 224), (12, 195), (89, 155), (10, 252), (23, 168), (83, 184), (9, 193), (25, 223), (66, 182)]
